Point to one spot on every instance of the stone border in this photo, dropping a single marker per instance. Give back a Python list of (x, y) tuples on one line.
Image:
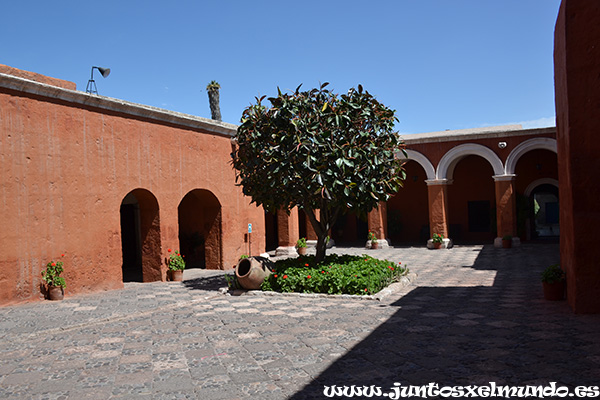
[(406, 280)]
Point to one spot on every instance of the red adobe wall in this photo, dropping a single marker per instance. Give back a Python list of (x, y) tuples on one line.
[(68, 160), (32, 76), (577, 88)]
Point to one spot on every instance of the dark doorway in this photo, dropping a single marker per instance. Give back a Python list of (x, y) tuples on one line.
[(543, 207), (200, 230), (131, 243), (479, 216), (140, 237)]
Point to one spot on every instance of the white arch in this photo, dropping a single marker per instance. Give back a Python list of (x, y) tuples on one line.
[(421, 159), (446, 166), (524, 147), (536, 183)]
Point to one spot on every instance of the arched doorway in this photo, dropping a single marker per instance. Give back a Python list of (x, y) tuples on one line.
[(544, 212), (407, 210), (471, 201), (199, 215), (140, 237)]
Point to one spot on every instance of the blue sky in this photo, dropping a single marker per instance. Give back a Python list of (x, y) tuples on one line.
[(441, 64)]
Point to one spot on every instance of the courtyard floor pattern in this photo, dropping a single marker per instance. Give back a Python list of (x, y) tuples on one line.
[(474, 315)]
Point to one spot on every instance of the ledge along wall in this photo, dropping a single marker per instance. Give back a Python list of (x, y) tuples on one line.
[(68, 162)]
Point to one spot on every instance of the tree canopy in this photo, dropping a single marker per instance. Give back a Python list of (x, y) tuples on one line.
[(318, 150)]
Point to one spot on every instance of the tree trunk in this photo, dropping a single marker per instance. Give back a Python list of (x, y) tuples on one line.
[(321, 248), (213, 101)]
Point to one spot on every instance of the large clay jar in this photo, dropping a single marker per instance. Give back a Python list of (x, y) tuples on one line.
[(251, 273)]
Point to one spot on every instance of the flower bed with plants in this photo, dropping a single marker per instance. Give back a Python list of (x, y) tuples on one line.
[(337, 274)]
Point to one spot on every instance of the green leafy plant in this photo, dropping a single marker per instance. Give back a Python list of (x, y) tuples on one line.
[(507, 237), (244, 256), (337, 274), (319, 151), (52, 274), (371, 236), (176, 261), (301, 243), (553, 273), (437, 238)]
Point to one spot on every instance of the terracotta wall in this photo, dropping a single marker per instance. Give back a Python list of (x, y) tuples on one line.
[(66, 167), (577, 87)]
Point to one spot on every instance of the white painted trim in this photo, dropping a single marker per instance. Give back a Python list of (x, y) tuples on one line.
[(446, 166), (510, 177), (524, 147), (536, 183), (421, 159)]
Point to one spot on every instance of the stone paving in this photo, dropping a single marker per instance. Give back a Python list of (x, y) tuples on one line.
[(474, 315)]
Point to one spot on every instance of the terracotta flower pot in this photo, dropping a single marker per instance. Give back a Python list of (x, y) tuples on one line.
[(554, 291), (301, 251), (56, 293), (506, 243), (374, 244), (251, 273), (177, 276), (437, 245)]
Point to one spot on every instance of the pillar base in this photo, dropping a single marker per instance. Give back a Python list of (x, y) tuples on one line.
[(381, 243), (516, 242), (446, 243), (286, 251)]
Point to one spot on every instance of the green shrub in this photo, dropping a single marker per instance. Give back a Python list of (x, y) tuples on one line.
[(346, 274)]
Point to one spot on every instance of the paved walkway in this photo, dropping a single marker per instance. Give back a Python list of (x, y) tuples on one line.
[(475, 315)]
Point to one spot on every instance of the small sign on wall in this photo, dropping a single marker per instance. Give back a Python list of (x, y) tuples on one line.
[(249, 228)]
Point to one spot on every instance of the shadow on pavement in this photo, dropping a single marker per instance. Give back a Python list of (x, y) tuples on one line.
[(505, 333)]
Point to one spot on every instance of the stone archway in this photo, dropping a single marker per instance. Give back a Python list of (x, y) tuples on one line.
[(140, 237), (200, 235)]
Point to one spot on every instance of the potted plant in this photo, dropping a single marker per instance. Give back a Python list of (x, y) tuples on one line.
[(373, 239), (301, 246), (507, 241), (553, 281), (55, 283), (176, 265), (437, 240)]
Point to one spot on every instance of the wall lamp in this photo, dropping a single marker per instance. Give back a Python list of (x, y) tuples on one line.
[(91, 85)]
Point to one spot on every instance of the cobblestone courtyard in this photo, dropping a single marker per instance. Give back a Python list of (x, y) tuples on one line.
[(474, 315)]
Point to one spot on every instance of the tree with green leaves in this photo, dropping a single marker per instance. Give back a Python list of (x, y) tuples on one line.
[(317, 150)]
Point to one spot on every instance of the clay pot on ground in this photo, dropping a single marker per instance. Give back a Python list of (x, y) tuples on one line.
[(251, 272), (301, 251), (177, 275), (374, 244), (554, 291), (56, 293), (437, 245)]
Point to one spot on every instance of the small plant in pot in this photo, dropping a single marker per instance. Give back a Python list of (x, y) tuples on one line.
[(373, 239), (55, 283), (301, 246), (507, 241), (437, 240), (553, 281), (176, 265)]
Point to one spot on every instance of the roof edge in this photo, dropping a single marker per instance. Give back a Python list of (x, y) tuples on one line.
[(116, 105)]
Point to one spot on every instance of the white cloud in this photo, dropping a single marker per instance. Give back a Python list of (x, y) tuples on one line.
[(538, 123)]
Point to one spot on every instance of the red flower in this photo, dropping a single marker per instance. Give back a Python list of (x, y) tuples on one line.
[(53, 264), (306, 265), (62, 255), (308, 277), (169, 250), (285, 277), (275, 275), (365, 290), (322, 272)]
